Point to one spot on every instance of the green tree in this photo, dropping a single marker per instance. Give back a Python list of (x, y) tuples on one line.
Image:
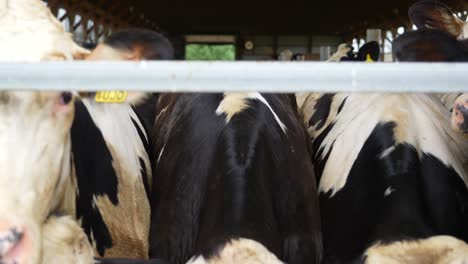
[(210, 52)]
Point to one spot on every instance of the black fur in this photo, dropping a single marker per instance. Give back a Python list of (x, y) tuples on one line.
[(429, 46), (218, 181), (321, 111)]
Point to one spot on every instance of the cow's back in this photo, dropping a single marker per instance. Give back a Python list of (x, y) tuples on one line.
[(232, 166), (389, 168)]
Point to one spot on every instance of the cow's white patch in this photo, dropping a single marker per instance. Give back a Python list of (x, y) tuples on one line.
[(422, 121), (197, 260), (341, 52), (160, 154), (23, 22), (234, 103), (64, 241), (437, 249), (240, 251), (388, 191), (465, 31), (262, 99), (448, 99), (387, 152)]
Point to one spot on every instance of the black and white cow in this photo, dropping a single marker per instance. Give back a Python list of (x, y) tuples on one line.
[(110, 150), (369, 52), (232, 167), (391, 173)]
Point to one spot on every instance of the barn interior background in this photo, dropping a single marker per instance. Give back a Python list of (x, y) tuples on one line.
[(246, 30)]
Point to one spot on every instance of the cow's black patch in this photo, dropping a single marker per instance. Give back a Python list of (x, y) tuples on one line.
[(95, 175), (425, 198), (342, 105), (321, 111)]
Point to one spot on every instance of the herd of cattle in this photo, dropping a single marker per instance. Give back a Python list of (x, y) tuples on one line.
[(234, 177)]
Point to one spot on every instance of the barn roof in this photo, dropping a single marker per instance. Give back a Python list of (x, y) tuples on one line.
[(254, 16)]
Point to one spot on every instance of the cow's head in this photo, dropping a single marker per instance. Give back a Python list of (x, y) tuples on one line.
[(429, 46), (431, 14), (35, 156), (35, 165), (29, 32)]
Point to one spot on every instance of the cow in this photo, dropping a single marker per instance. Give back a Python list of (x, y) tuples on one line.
[(34, 170), (232, 167), (131, 44), (59, 154), (440, 38), (113, 175), (389, 172), (432, 14), (437, 46), (35, 155), (369, 52)]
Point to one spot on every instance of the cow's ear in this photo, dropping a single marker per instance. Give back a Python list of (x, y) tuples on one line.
[(431, 14), (133, 98), (370, 52)]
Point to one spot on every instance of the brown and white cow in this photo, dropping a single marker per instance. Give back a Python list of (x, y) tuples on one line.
[(435, 15), (34, 134), (48, 138)]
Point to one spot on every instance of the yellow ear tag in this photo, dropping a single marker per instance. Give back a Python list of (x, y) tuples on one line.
[(107, 97), (368, 58)]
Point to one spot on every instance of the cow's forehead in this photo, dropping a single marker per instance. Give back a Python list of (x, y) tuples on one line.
[(17, 99), (30, 32)]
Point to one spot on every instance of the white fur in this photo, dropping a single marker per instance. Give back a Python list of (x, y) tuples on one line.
[(234, 103), (34, 159), (160, 154), (262, 99), (422, 121), (29, 32), (434, 250), (242, 250), (65, 242), (388, 191), (340, 53), (448, 99), (35, 170), (115, 123)]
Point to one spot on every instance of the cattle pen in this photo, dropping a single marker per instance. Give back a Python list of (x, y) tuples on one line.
[(241, 132), (269, 77)]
